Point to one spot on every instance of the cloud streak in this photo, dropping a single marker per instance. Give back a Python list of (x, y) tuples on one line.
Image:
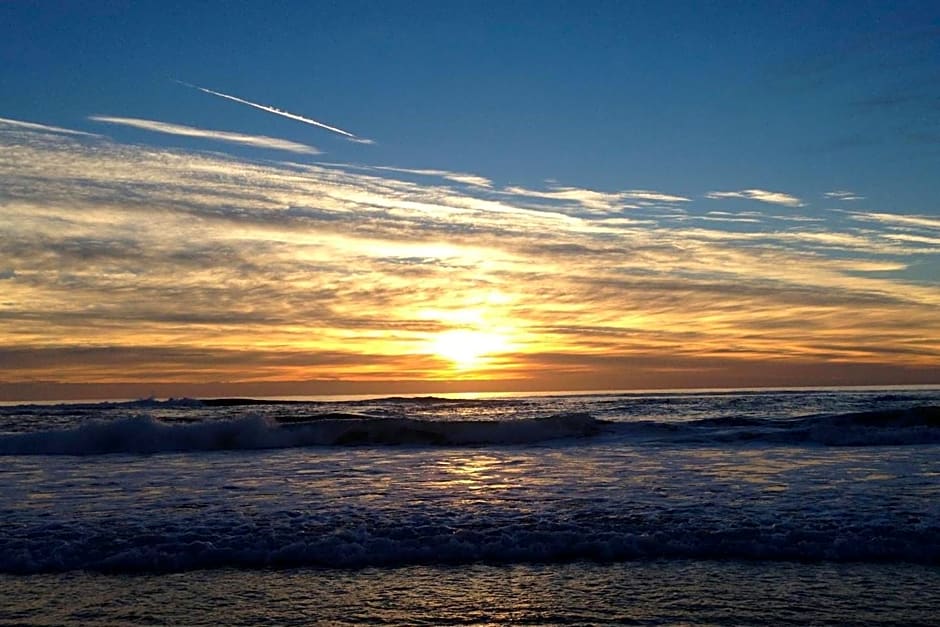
[(843, 195), (594, 201), (286, 114), (31, 126), (760, 195), (255, 141), (457, 177), (906, 221)]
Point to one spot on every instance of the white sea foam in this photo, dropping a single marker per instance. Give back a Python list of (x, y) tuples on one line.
[(293, 539)]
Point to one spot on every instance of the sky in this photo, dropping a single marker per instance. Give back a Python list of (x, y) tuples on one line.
[(290, 198)]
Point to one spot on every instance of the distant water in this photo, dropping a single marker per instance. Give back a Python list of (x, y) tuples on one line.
[(718, 508)]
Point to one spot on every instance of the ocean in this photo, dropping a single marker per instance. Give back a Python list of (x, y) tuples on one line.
[(701, 508)]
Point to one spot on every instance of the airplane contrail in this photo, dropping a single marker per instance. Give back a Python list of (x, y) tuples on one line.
[(286, 114)]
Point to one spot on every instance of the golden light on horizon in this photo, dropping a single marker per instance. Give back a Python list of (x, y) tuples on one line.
[(328, 274)]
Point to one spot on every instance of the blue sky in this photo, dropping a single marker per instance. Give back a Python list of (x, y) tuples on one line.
[(806, 97), (751, 134)]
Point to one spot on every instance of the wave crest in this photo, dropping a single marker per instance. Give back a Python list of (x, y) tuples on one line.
[(894, 427), (145, 434)]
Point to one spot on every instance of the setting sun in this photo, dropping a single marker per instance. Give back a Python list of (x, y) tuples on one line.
[(467, 348)]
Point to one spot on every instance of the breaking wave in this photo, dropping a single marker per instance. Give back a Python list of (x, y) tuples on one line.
[(917, 425), (145, 434)]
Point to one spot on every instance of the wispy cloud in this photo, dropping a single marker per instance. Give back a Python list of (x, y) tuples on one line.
[(286, 114), (645, 194), (261, 271), (922, 222), (725, 216), (45, 128), (596, 201), (760, 195), (256, 141), (916, 239), (457, 177), (843, 195), (589, 199)]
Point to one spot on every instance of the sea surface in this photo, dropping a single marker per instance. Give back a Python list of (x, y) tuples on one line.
[(711, 508)]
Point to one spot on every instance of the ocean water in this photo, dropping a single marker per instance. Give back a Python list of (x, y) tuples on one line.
[(787, 507)]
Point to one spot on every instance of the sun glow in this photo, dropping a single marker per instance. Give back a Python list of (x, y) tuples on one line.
[(467, 348)]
